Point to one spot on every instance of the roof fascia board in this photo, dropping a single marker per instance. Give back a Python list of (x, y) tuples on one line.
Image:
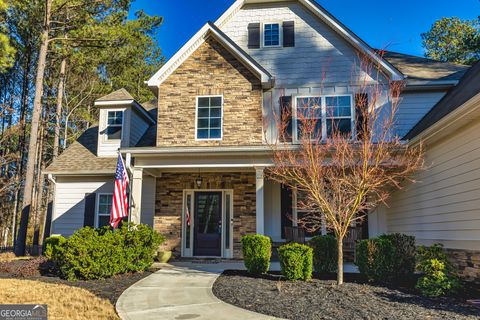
[(335, 24), (113, 102), (443, 125)]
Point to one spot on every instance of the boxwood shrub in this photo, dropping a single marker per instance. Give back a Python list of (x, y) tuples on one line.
[(52, 244), (325, 253), (404, 253), (101, 253), (296, 261), (257, 250), (374, 258)]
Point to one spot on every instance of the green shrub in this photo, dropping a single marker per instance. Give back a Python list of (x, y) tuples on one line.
[(52, 244), (325, 253), (101, 253), (257, 250), (404, 252), (296, 261), (438, 278), (375, 259)]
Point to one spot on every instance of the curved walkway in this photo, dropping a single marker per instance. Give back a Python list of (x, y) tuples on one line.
[(181, 291)]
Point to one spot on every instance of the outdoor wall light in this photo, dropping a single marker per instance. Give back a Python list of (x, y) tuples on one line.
[(199, 182)]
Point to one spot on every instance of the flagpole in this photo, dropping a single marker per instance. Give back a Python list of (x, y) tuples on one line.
[(129, 188)]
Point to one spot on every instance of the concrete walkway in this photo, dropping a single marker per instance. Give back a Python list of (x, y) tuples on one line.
[(181, 291)]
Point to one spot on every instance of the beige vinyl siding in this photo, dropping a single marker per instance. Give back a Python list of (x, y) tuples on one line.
[(69, 203), (444, 206), (412, 107)]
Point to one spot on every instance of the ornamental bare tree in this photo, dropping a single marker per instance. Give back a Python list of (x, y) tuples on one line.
[(344, 168)]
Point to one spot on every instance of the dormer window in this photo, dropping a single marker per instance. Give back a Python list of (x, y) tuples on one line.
[(114, 125), (271, 35)]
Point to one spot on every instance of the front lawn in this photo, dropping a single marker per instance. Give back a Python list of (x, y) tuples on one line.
[(322, 299), (64, 302)]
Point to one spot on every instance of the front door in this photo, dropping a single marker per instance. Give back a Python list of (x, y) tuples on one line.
[(208, 224)]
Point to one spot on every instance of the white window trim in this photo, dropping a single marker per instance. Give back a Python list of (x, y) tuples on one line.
[(196, 119), (280, 35), (324, 114), (106, 125), (97, 207)]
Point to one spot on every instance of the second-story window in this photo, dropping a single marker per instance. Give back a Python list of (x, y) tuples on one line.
[(320, 116), (209, 118), (271, 35), (114, 125)]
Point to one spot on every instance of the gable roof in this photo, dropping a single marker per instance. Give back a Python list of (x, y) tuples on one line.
[(468, 87), (119, 95), (123, 97), (424, 69), (81, 158), (209, 29), (328, 19)]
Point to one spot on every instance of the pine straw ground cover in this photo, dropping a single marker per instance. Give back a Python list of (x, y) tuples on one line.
[(322, 299), (64, 302)]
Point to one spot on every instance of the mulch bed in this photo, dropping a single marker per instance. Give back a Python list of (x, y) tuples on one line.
[(110, 288), (322, 299)]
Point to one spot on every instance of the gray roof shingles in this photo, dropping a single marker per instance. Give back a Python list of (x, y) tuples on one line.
[(119, 95), (81, 157), (420, 68)]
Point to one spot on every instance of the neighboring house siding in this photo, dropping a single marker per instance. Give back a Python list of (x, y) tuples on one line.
[(412, 107), (69, 203), (444, 205), (320, 55), (169, 202), (211, 70), (138, 126)]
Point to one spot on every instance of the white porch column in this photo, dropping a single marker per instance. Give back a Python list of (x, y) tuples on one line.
[(136, 195), (260, 213)]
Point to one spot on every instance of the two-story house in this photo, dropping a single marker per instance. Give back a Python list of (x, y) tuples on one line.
[(197, 154)]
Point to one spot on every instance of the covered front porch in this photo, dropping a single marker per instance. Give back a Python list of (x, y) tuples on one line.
[(204, 201)]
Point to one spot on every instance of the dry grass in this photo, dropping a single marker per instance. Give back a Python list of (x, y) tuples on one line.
[(64, 302), (7, 256)]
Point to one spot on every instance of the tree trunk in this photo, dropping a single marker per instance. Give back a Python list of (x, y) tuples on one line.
[(39, 191), (340, 260), (58, 112), (37, 108)]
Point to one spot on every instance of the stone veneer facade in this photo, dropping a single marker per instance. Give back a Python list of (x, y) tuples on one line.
[(467, 263), (210, 70), (169, 202)]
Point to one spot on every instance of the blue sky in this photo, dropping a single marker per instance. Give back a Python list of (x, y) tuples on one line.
[(381, 23)]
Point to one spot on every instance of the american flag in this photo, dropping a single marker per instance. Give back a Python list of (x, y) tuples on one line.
[(120, 200)]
